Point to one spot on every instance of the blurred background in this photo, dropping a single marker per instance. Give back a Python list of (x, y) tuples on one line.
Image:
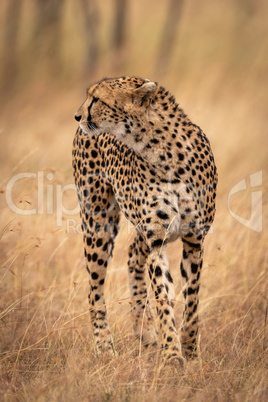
[(213, 56), (206, 53)]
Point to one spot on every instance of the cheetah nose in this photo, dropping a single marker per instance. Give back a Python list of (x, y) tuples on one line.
[(77, 117)]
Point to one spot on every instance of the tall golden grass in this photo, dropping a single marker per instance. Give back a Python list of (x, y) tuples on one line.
[(47, 350)]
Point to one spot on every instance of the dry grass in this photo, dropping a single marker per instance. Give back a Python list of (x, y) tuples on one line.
[(46, 344), (47, 351)]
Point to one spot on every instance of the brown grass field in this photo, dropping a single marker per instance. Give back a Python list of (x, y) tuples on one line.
[(46, 346)]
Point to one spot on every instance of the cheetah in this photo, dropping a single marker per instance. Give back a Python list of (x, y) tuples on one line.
[(136, 151)]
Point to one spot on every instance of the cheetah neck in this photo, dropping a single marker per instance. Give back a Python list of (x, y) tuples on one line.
[(167, 133)]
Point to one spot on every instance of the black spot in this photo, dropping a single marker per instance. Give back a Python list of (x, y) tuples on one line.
[(150, 233), (168, 276), (94, 275), (183, 272), (191, 291), (99, 243), (194, 268), (197, 246), (161, 214), (158, 271), (185, 254), (157, 243)]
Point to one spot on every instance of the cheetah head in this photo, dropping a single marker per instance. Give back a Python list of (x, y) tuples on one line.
[(120, 106)]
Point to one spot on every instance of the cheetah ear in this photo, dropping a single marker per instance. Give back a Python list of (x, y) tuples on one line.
[(144, 93)]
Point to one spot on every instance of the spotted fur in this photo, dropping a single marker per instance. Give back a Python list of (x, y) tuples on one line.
[(137, 152)]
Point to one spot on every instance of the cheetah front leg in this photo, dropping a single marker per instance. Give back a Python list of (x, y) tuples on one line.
[(99, 235), (142, 314), (191, 266)]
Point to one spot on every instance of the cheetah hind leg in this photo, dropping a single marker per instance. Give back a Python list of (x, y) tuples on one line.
[(163, 288), (191, 266), (142, 314)]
